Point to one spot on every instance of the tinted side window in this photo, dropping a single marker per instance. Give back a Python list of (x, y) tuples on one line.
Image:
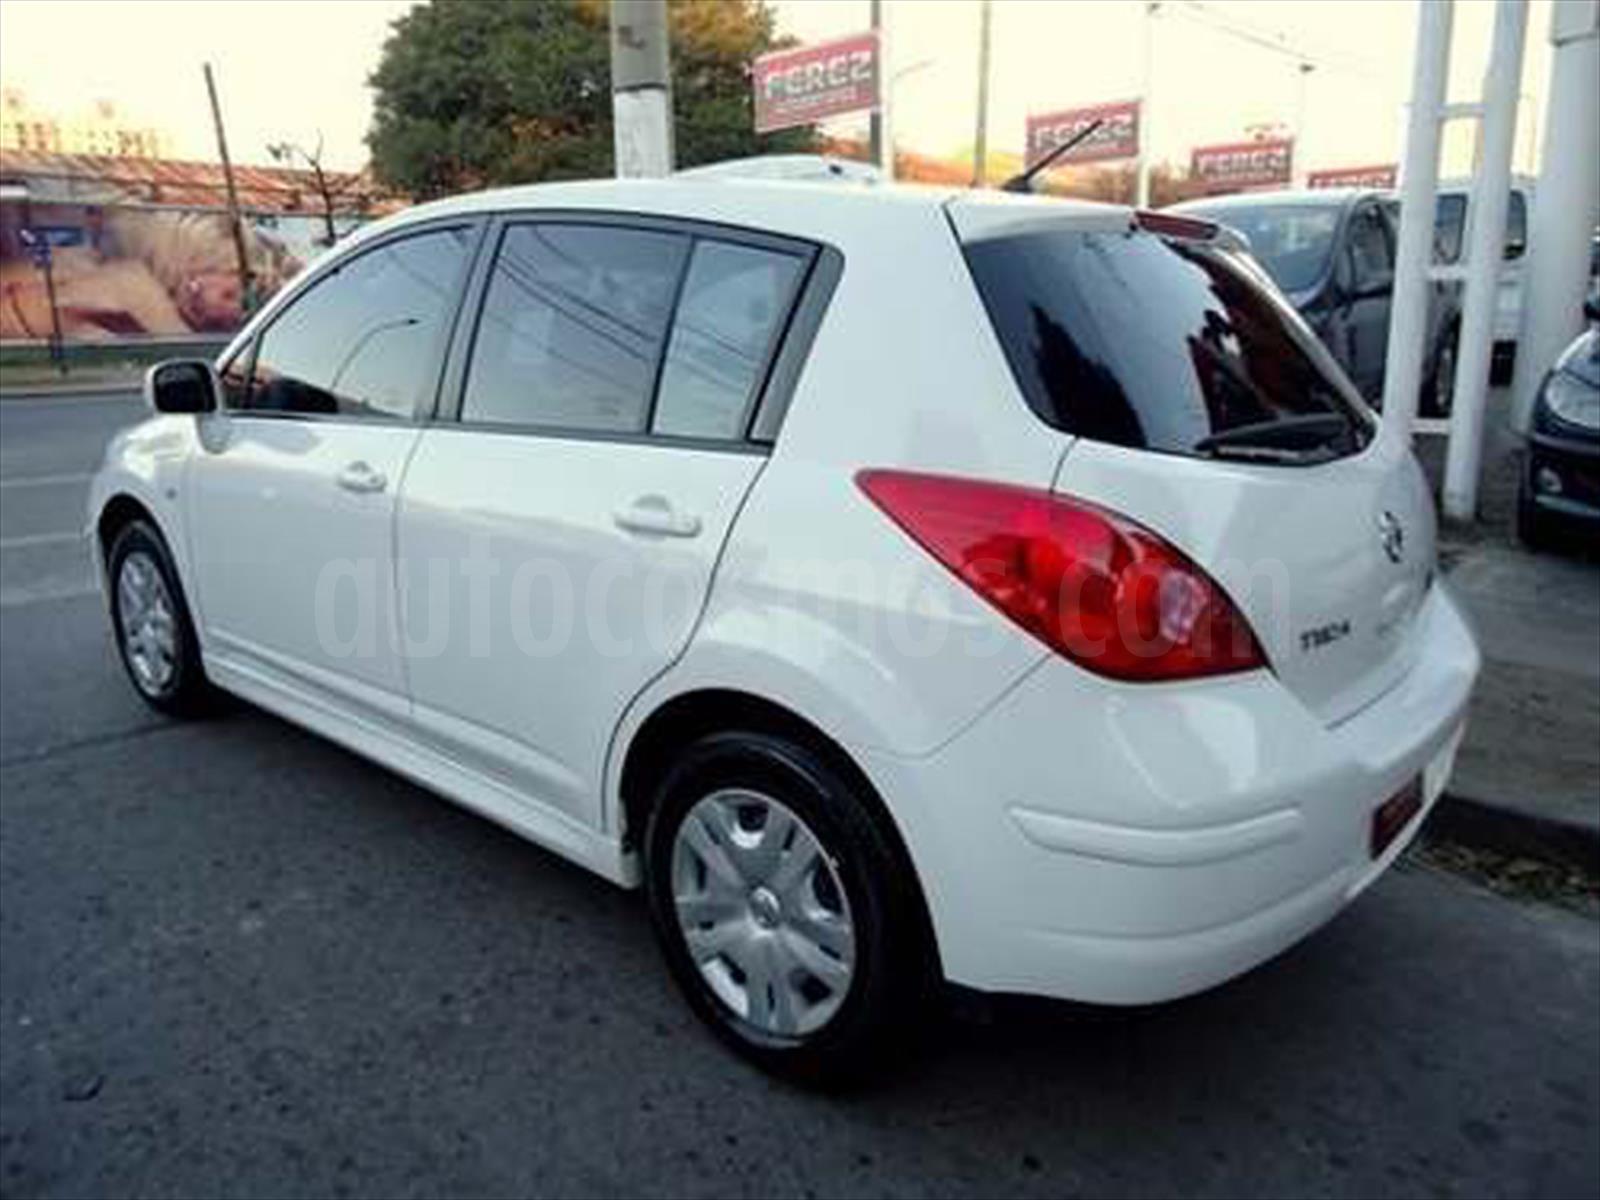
[(360, 341), (235, 382), (1371, 257), (1516, 224), (1449, 218), (734, 303), (572, 327)]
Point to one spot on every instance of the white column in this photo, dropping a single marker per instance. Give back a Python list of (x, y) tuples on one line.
[(1419, 183), (1566, 203), (1491, 190)]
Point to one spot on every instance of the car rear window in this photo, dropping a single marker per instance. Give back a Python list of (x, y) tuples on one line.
[(1164, 344)]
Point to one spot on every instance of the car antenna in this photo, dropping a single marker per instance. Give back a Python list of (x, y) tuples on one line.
[(1024, 182)]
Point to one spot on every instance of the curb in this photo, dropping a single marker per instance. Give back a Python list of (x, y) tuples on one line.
[(1480, 824), (68, 391)]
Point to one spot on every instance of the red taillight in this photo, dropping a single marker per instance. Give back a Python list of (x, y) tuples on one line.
[(1093, 585)]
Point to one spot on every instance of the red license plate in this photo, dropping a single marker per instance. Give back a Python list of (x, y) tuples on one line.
[(1394, 814)]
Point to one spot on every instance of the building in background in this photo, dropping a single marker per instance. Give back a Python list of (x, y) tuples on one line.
[(101, 129)]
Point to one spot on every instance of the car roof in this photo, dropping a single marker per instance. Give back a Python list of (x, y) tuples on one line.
[(799, 207)]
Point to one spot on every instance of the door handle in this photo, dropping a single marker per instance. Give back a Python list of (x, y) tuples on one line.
[(655, 515), (360, 477)]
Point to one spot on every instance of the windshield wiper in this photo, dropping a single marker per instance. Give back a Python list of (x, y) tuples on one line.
[(1285, 439)]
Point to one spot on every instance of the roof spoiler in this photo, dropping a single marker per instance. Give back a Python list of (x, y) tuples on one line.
[(1196, 229)]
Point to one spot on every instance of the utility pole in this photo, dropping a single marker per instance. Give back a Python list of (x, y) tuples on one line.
[(980, 141), (227, 175), (875, 125), (641, 89), (1303, 71), (1142, 188)]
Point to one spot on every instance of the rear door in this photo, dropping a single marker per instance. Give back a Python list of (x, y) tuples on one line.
[(1209, 412), (559, 531)]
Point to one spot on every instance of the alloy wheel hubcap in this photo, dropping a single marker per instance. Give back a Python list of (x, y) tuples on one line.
[(763, 912), (149, 628)]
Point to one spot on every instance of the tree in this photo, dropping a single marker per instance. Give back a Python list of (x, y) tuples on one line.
[(286, 152), (473, 94)]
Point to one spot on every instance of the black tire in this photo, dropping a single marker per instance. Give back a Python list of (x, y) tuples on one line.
[(893, 972), (1439, 387), (186, 691)]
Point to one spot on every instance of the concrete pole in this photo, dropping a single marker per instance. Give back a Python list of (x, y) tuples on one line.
[(1491, 192), (1419, 183), (227, 177), (1302, 77), (1566, 203), (980, 140), (875, 122), (641, 89), (886, 96), (1146, 91)]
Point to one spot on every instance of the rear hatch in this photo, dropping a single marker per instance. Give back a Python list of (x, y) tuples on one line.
[(1209, 412)]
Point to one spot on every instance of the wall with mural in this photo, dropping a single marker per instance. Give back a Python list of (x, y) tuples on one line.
[(127, 271)]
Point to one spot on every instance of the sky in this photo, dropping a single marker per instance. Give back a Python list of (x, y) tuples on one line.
[(292, 71)]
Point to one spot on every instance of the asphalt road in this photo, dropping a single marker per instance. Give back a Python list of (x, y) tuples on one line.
[(236, 961)]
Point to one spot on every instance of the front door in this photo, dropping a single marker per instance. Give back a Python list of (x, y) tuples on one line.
[(291, 505), (558, 541)]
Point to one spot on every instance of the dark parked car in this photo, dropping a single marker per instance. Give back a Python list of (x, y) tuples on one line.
[(1332, 254), (1561, 477)]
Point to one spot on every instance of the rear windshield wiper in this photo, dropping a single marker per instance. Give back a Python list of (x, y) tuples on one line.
[(1285, 439)]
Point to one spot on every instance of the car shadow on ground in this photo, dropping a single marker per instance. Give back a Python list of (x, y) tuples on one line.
[(281, 955)]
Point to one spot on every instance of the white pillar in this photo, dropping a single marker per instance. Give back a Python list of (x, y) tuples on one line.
[(1566, 202), (1419, 183), (1491, 190), (641, 89)]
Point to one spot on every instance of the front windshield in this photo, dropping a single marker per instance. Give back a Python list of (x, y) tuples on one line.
[(1292, 241)]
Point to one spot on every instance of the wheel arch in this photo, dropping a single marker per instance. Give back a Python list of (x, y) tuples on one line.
[(119, 511), (686, 716)]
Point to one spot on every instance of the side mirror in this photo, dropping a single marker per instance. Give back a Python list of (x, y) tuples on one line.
[(1515, 248), (1591, 306), (182, 385)]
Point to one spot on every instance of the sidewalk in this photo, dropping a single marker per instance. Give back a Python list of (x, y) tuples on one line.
[(1532, 751)]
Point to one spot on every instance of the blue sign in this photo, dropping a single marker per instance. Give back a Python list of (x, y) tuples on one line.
[(52, 235)]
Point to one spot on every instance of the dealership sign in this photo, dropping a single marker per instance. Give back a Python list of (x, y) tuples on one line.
[(1381, 176), (1243, 164), (806, 84), (1117, 137)]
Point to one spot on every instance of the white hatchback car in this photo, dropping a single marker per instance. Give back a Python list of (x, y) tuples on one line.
[(898, 584)]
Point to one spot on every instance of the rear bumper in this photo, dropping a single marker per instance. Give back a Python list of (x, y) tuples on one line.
[(1133, 844)]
